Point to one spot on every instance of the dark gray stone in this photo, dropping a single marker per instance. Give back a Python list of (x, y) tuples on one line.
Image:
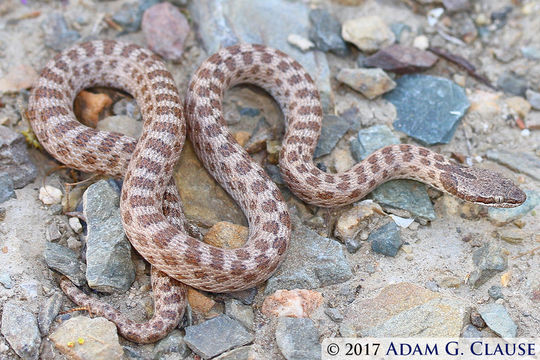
[(513, 84), (245, 296), (215, 336), (65, 261), (470, 332), (129, 16), (325, 32), (506, 215), (20, 329), (312, 261), (14, 159), (495, 292), (477, 320), (109, 267), (386, 240), (274, 173), (526, 163), (58, 35), (298, 339), (489, 260), (428, 108), (333, 129), (406, 195), (6, 188), (48, 312), (497, 319), (226, 22), (172, 344)]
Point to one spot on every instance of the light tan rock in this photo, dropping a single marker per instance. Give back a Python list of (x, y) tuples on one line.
[(352, 221), (88, 106), (298, 303), (368, 33), (199, 301), (84, 338), (369, 82), (519, 105), (226, 235), (50, 195)]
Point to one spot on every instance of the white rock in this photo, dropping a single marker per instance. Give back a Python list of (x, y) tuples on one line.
[(300, 42), (401, 222), (421, 42), (434, 15), (75, 224), (50, 195), (368, 33)]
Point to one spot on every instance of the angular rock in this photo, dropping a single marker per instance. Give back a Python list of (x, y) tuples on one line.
[(334, 314), (165, 29), (216, 336), (14, 159), (368, 33), (356, 219), (406, 195), (199, 302), (489, 260), (298, 339), (49, 195), (511, 83), (243, 313), (369, 82), (406, 310), (298, 303), (109, 267), (48, 313), (58, 35), (495, 292), (428, 108), (241, 353), (506, 215), (534, 98), (386, 240), (171, 344), (497, 319), (401, 59), (333, 129), (227, 22), (300, 42), (20, 329), (325, 32), (205, 202), (65, 261), (227, 235), (371, 139), (6, 188), (99, 335), (526, 163), (312, 261)]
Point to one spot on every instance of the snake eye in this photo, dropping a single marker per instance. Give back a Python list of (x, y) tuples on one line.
[(498, 199)]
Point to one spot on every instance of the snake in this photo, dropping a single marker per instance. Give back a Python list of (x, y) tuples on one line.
[(150, 204)]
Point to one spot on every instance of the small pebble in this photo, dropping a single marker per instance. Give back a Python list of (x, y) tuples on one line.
[(386, 240), (368, 33), (75, 224), (300, 42), (50, 195), (165, 29), (421, 42), (495, 292)]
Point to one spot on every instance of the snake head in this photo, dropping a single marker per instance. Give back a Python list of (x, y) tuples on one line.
[(481, 186)]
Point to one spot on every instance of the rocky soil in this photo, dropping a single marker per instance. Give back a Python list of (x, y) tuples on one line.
[(459, 76)]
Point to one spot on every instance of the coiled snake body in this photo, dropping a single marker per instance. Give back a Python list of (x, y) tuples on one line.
[(150, 204)]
